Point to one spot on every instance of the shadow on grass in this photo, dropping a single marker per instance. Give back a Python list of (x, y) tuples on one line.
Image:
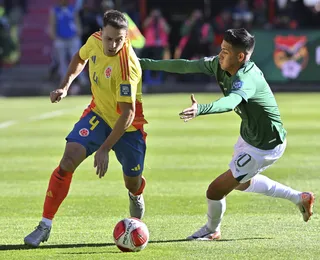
[(25, 247)]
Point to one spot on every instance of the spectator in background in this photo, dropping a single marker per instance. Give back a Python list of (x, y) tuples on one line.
[(15, 10), (197, 38), (285, 18), (65, 31), (130, 7), (3, 29), (156, 31), (221, 23), (242, 15), (260, 14), (105, 5), (89, 18)]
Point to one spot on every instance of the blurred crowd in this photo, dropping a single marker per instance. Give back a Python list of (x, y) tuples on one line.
[(155, 35), (11, 16)]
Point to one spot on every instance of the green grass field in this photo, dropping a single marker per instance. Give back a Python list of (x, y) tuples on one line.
[(182, 159)]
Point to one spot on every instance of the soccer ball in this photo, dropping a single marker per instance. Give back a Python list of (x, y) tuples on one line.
[(131, 235)]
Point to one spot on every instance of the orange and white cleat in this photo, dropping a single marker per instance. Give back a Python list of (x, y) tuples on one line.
[(306, 205), (205, 234)]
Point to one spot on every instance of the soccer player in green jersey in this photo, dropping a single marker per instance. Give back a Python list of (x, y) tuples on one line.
[(262, 138)]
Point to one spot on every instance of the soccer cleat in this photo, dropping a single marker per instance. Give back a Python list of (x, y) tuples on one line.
[(204, 233), (306, 205), (40, 234), (136, 206)]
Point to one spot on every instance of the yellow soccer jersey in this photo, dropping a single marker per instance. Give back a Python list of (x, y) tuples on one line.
[(113, 79)]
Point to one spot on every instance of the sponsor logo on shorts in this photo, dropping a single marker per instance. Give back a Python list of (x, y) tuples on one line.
[(84, 132), (137, 168)]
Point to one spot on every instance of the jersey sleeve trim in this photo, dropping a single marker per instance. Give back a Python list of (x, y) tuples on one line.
[(97, 35), (124, 64)]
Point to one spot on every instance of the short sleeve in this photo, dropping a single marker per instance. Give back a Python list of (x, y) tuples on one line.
[(84, 51), (129, 82), (243, 87)]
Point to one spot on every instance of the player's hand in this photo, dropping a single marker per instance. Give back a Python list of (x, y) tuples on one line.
[(57, 95), (190, 112), (101, 161)]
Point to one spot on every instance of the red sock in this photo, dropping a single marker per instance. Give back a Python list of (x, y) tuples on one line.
[(57, 191), (143, 184)]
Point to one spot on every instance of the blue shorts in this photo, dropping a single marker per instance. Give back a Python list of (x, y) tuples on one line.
[(91, 131)]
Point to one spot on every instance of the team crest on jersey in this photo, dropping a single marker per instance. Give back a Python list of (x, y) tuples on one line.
[(84, 132), (237, 85), (108, 71)]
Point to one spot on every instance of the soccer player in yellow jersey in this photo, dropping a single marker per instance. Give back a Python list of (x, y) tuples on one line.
[(113, 120)]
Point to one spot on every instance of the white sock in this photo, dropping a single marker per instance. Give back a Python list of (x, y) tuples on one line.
[(263, 185), (47, 221), (216, 209)]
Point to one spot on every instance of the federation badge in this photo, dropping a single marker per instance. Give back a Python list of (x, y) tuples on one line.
[(237, 84), (125, 90), (108, 71), (84, 132)]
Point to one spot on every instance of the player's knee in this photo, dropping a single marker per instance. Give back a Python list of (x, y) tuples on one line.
[(68, 163), (133, 185), (74, 154), (214, 193), (243, 186)]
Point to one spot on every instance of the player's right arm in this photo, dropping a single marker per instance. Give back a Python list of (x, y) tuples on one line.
[(75, 67), (207, 65), (77, 64)]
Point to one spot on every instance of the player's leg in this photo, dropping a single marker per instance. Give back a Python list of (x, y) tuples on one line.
[(263, 185), (82, 141), (130, 151), (57, 191), (216, 193), (243, 167)]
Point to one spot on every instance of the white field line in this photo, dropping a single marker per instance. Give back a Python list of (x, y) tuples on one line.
[(8, 123), (43, 116)]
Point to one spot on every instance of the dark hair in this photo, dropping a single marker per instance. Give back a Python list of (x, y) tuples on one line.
[(240, 38), (115, 19)]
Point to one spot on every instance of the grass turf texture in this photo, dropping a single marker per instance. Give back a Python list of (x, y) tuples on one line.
[(182, 159)]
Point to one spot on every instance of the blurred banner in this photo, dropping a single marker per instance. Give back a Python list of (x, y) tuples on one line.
[(285, 55)]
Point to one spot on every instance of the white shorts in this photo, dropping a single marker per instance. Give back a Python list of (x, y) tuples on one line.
[(247, 160)]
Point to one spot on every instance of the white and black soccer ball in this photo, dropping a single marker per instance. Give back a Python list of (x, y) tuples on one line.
[(131, 235)]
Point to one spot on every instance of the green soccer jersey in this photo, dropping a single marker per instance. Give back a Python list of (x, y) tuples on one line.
[(261, 125)]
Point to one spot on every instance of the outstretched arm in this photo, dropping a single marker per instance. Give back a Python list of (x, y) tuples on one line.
[(222, 105), (181, 66)]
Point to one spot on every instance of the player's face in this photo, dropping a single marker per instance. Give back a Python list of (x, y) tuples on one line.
[(113, 40), (230, 59)]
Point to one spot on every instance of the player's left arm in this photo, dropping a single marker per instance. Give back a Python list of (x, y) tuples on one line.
[(101, 158), (241, 90), (126, 91), (221, 105), (123, 123)]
